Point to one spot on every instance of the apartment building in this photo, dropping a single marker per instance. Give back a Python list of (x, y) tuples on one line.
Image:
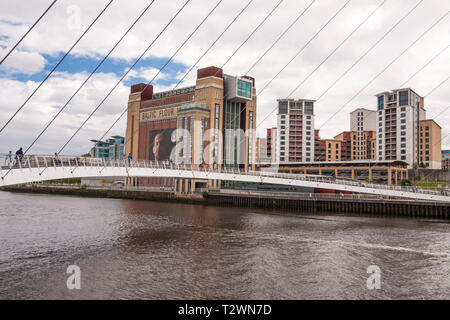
[(357, 145), (430, 144), (363, 123), (399, 113), (112, 149), (295, 127), (332, 150), (262, 156), (446, 159)]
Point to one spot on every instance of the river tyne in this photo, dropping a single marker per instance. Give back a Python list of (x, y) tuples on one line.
[(129, 249)]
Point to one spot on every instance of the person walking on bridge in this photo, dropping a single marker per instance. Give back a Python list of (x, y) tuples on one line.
[(9, 158), (19, 154), (130, 157), (56, 159)]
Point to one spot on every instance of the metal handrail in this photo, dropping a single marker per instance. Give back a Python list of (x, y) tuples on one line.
[(43, 161)]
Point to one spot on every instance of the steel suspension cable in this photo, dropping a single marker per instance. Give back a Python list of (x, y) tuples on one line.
[(360, 58), (159, 71), (304, 47), (215, 41), (337, 48), (251, 34), (56, 66), (26, 33), (90, 75)]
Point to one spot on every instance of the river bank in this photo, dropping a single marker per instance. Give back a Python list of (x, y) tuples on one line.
[(324, 203), (112, 193)]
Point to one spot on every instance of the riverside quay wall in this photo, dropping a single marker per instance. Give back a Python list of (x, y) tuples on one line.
[(346, 204), (304, 203)]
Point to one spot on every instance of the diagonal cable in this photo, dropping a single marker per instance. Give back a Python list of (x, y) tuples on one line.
[(90, 75), (26, 33), (306, 44), (360, 58), (54, 68), (156, 75), (210, 47)]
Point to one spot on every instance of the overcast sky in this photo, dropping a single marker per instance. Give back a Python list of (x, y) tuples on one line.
[(58, 30)]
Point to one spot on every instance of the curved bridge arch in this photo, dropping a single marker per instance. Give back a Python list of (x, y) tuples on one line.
[(41, 168)]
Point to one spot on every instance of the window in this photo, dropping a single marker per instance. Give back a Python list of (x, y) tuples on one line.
[(381, 102), (282, 107), (403, 121), (403, 115), (403, 157), (309, 108), (403, 109), (403, 133), (244, 89), (403, 98), (403, 151), (403, 127)]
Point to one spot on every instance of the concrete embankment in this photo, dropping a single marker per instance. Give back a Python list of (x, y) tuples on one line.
[(347, 204), (308, 203), (107, 193)]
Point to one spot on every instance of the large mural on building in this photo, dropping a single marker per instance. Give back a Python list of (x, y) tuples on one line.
[(162, 145)]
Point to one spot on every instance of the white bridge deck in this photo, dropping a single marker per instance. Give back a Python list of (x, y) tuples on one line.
[(32, 168)]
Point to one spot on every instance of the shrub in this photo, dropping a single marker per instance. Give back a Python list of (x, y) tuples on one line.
[(405, 183)]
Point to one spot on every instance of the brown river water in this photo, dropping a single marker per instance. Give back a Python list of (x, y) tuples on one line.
[(128, 249)]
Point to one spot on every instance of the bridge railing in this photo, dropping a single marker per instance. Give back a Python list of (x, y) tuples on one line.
[(45, 161)]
